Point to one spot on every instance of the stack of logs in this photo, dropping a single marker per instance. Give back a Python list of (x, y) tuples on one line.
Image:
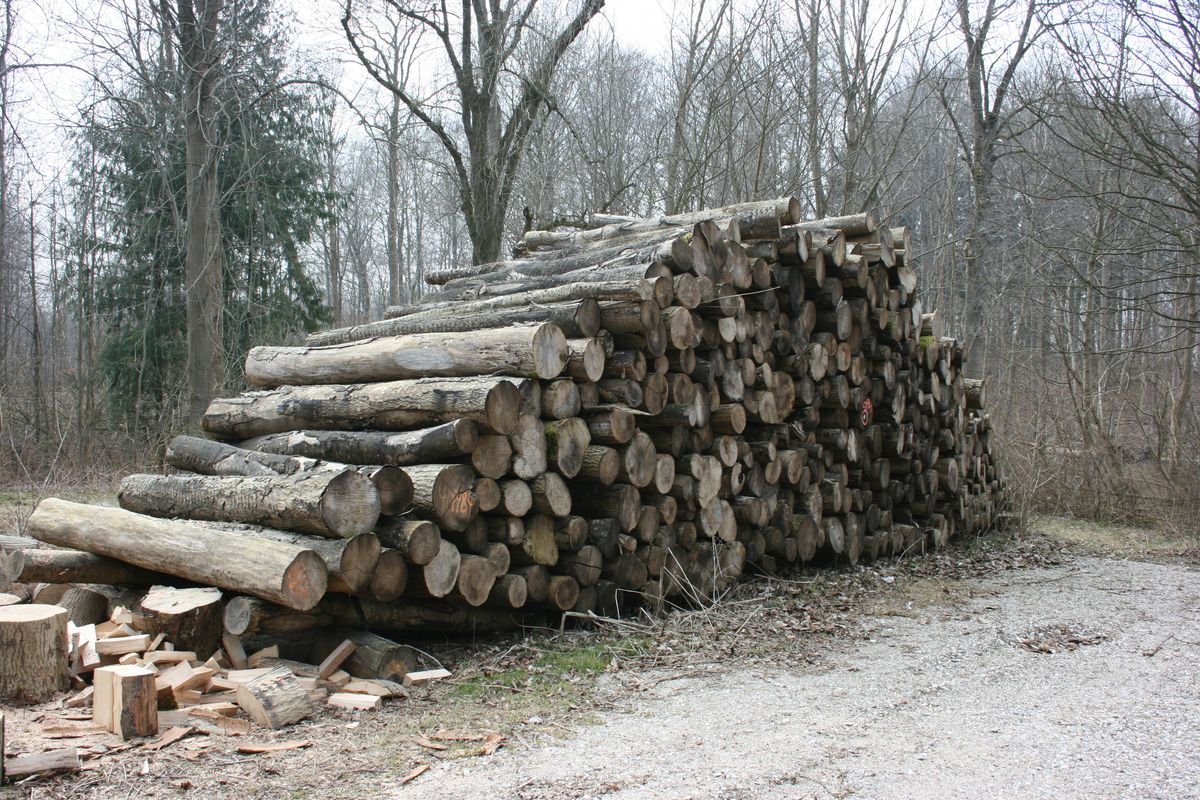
[(635, 413)]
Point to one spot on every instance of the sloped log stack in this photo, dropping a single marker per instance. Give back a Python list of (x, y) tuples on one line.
[(635, 413)]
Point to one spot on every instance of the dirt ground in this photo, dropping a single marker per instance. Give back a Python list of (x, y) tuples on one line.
[(1062, 664)]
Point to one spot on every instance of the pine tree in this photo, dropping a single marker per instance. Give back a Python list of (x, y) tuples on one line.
[(270, 202)]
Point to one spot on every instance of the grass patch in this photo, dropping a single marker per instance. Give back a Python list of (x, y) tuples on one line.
[(1098, 538), (907, 598)]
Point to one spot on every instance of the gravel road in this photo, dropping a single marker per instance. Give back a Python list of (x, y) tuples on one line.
[(951, 703)]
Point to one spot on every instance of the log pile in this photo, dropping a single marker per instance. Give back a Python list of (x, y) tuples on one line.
[(637, 413)]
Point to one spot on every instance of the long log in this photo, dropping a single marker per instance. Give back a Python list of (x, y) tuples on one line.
[(350, 562), (251, 616), (206, 457), (535, 292), (388, 405), (46, 565), (577, 319), (336, 505), (443, 442), (203, 552), (526, 351)]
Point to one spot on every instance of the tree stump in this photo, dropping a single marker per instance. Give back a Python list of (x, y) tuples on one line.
[(191, 618), (33, 652)]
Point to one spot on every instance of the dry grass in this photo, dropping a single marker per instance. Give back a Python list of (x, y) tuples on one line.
[(1119, 541), (17, 502)]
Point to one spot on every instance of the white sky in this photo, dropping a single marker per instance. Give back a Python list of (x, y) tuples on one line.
[(46, 100)]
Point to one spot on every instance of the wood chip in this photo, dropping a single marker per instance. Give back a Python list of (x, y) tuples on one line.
[(274, 747), (416, 773), (169, 738), (423, 742), (214, 710), (80, 699)]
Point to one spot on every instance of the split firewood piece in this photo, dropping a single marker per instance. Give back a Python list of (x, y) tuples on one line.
[(125, 701), (275, 699), (425, 676), (355, 702), (334, 660), (526, 351), (34, 662), (120, 645), (190, 618), (232, 644), (271, 651), (335, 505), (375, 686), (201, 551)]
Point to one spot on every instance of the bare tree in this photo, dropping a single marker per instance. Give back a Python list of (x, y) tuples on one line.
[(483, 44), (990, 70), (199, 24)]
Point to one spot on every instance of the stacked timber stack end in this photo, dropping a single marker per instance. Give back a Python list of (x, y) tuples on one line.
[(636, 413)]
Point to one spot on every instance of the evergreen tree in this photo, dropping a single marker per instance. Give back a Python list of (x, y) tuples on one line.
[(270, 200)]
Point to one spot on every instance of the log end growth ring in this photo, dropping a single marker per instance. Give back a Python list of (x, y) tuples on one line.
[(305, 581), (350, 505), (549, 350)]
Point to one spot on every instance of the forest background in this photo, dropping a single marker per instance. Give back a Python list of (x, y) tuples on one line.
[(182, 179)]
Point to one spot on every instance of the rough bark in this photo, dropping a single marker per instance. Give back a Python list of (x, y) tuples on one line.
[(528, 351), (203, 552), (33, 652), (443, 442), (387, 405), (331, 504)]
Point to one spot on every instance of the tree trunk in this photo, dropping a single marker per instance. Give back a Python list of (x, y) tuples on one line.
[(200, 55), (216, 458), (443, 493), (576, 319), (44, 565), (419, 540)]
